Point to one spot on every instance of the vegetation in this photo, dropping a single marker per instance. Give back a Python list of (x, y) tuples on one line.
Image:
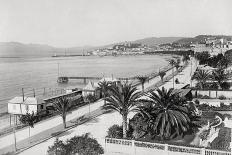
[(220, 76), (170, 117), (81, 145), (185, 58), (172, 62), (62, 106), (115, 131), (103, 86), (162, 74), (29, 119), (142, 80), (223, 140), (123, 99), (219, 60), (201, 76)]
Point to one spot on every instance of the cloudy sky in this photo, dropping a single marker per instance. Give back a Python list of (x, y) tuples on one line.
[(65, 23)]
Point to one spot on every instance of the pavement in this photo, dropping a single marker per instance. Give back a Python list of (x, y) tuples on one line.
[(97, 127)]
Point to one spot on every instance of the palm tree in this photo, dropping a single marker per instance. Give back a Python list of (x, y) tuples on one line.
[(29, 119), (172, 62), (62, 106), (162, 74), (185, 58), (220, 76), (123, 99), (169, 116), (142, 80), (177, 64), (90, 98), (103, 86), (201, 76)]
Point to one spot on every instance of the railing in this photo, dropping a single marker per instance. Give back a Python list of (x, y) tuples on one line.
[(166, 148)]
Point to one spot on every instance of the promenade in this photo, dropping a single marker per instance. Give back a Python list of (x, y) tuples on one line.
[(97, 126)]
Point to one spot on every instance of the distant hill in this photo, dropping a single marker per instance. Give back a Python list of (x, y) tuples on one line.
[(16, 49), (154, 41), (201, 38)]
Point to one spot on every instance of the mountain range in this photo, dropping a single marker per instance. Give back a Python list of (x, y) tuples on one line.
[(16, 49)]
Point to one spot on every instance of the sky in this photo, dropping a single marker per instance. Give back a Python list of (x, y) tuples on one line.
[(68, 23)]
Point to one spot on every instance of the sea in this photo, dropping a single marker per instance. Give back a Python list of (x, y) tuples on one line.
[(41, 73)]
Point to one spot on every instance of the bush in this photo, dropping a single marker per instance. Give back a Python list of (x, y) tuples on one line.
[(115, 131), (197, 102), (222, 97), (82, 145), (225, 85)]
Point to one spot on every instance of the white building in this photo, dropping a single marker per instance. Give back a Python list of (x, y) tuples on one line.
[(22, 105), (90, 88)]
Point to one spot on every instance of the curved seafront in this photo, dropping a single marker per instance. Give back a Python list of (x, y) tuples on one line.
[(28, 73)]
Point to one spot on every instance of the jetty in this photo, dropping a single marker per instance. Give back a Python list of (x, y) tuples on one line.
[(65, 79)]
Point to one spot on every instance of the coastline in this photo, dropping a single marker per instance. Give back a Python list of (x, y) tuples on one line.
[(37, 132), (152, 76)]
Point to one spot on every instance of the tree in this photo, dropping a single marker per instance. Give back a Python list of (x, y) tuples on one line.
[(90, 98), (224, 62), (172, 62), (82, 145), (201, 76), (177, 64), (30, 120), (185, 58), (123, 99), (162, 74), (142, 80), (62, 106), (169, 116), (202, 57), (103, 86), (220, 76)]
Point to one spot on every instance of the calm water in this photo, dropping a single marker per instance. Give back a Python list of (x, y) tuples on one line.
[(18, 73)]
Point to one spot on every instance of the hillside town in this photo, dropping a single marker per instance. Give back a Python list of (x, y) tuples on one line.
[(212, 44)]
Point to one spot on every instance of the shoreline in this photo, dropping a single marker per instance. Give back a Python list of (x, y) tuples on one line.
[(46, 121), (4, 117), (134, 82)]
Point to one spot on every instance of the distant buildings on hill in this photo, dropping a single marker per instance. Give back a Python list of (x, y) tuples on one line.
[(212, 44), (126, 48)]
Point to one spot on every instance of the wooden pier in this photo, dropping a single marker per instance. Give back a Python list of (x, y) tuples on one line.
[(65, 79)]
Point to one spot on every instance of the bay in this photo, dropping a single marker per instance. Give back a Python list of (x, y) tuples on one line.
[(39, 73)]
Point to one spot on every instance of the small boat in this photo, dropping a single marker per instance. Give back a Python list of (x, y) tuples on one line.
[(62, 80)]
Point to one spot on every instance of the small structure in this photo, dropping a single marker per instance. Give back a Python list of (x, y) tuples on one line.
[(90, 88), (22, 105)]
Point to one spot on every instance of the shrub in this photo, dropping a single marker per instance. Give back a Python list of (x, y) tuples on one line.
[(197, 102), (115, 131), (222, 97), (225, 85), (82, 145)]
